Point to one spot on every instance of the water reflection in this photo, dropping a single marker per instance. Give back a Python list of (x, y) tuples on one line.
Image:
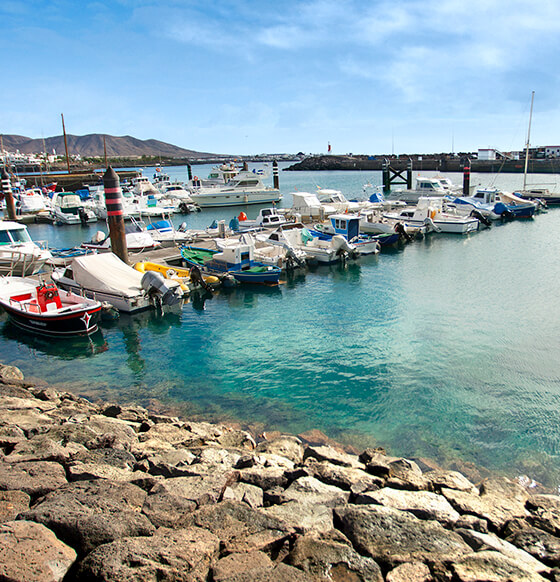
[(246, 296), (68, 348)]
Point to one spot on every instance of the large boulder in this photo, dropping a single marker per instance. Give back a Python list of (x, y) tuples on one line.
[(239, 527), (329, 556), (491, 566), (540, 544), (29, 552), (500, 500), (181, 555), (311, 490), (393, 537), (284, 446), (255, 567), (422, 504), (12, 503), (86, 514), (34, 478)]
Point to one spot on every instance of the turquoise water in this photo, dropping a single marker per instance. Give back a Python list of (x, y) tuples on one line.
[(446, 348)]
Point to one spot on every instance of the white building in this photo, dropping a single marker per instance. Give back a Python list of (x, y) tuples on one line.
[(488, 154)]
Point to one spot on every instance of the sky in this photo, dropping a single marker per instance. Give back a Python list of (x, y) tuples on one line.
[(259, 76)]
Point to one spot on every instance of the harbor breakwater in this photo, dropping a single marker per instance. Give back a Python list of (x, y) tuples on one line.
[(424, 163), (110, 492)]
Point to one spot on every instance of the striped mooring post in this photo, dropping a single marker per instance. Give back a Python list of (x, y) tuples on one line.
[(115, 218), (9, 197), (275, 177), (466, 177)]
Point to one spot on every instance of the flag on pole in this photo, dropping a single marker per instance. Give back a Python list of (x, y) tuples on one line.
[(329, 148)]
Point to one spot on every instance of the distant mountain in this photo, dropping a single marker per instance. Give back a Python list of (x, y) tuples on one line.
[(92, 145)]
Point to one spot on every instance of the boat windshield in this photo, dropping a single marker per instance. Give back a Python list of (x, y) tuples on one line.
[(15, 235)]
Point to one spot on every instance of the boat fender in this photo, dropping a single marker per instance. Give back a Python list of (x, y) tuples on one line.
[(140, 266), (432, 214), (98, 237)]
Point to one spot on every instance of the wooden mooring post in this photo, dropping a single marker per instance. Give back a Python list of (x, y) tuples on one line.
[(393, 176)]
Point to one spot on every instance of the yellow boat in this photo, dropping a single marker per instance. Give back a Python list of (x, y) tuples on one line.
[(182, 276)]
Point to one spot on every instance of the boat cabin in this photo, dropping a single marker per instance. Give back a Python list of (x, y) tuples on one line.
[(486, 195), (236, 257), (430, 186), (348, 225), (13, 233)]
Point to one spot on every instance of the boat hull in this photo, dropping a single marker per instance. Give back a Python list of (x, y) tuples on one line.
[(83, 323), (209, 200)]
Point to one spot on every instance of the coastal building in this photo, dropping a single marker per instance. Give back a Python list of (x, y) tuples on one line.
[(552, 151)]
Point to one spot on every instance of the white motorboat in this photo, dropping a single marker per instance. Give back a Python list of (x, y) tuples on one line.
[(19, 255), (244, 188), (68, 208), (141, 186), (373, 222), (284, 257), (267, 218), (308, 206), (336, 199), (32, 205), (425, 187), (137, 237), (106, 278), (429, 212), (296, 236)]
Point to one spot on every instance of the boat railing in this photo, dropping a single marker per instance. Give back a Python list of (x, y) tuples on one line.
[(14, 262)]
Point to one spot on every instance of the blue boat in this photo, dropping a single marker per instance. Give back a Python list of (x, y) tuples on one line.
[(348, 225), (236, 261)]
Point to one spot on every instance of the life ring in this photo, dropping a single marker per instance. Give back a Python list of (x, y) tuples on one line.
[(195, 179), (49, 294)]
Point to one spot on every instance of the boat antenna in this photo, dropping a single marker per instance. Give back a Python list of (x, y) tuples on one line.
[(527, 145)]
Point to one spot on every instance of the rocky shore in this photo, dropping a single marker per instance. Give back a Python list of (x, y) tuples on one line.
[(104, 492)]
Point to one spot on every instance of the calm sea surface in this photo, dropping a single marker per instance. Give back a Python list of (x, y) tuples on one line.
[(446, 348)]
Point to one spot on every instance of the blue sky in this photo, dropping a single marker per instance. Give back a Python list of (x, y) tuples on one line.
[(254, 76)]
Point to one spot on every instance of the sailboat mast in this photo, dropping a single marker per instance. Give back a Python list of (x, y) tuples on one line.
[(65, 143), (528, 139)]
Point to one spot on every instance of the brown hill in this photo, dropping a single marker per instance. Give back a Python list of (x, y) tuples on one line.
[(92, 145)]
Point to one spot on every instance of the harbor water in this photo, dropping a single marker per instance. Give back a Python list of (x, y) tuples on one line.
[(445, 348)]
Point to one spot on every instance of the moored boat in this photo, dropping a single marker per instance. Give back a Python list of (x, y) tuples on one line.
[(41, 308), (106, 278), (19, 255), (237, 261)]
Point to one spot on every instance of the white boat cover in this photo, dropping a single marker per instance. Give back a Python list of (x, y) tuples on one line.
[(105, 272)]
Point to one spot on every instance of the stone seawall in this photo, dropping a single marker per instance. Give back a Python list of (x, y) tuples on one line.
[(107, 492)]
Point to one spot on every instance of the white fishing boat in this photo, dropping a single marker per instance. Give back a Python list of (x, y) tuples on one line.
[(244, 188), (32, 206), (283, 257), (19, 255), (295, 235), (373, 222), (267, 218), (429, 212), (106, 278), (68, 208)]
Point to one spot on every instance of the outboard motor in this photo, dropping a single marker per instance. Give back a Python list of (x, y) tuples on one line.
[(154, 283), (481, 218), (431, 225), (83, 216), (198, 280), (343, 248), (401, 230), (182, 227)]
